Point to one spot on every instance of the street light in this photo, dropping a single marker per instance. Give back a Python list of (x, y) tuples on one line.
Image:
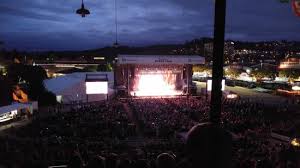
[(82, 11)]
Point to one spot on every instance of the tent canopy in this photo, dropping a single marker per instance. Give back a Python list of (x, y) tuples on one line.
[(60, 84)]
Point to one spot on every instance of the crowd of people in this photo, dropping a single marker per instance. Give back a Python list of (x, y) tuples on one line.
[(148, 133)]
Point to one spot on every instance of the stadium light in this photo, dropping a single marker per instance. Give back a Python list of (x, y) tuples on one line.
[(82, 11)]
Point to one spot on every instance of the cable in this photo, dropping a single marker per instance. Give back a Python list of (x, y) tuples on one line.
[(116, 22)]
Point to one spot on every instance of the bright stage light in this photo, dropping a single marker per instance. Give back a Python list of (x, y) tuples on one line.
[(155, 85), (96, 87)]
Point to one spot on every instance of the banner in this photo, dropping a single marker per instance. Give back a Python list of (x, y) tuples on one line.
[(160, 59)]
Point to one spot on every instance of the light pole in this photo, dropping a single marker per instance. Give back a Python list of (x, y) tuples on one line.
[(82, 11), (218, 61)]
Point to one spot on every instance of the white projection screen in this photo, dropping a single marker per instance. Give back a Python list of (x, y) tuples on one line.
[(209, 84), (96, 87)]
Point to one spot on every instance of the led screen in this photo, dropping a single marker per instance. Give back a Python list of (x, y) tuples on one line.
[(96, 87)]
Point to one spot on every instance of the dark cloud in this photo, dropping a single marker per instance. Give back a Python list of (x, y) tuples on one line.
[(32, 14), (44, 24)]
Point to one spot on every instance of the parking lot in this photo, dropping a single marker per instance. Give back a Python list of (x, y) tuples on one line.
[(243, 92)]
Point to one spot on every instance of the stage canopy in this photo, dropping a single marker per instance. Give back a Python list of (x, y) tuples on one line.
[(161, 59)]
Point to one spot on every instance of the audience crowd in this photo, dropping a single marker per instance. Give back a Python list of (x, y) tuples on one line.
[(147, 133)]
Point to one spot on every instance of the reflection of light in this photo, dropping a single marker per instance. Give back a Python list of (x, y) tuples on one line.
[(154, 85), (296, 88), (64, 66), (295, 142), (295, 92), (232, 96)]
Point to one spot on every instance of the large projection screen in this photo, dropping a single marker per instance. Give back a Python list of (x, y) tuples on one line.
[(96, 87), (209, 84)]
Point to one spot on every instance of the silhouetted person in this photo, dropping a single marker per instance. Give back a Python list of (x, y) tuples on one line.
[(208, 146), (165, 160)]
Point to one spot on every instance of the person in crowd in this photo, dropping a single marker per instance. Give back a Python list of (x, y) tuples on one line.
[(165, 160), (208, 146)]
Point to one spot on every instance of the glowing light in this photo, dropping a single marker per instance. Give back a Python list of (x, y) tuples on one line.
[(96, 87), (296, 88), (99, 58), (154, 85), (295, 142), (232, 96)]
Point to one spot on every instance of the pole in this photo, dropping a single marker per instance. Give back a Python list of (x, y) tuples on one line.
[(218, 61), (187, 80), (128, 94), (206, 92)]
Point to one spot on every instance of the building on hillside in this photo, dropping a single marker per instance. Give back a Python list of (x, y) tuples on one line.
[(290, 63)]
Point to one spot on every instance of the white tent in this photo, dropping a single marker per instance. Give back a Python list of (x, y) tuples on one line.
[(71, 87)]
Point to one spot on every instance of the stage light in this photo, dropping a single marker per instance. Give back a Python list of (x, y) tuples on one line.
[(155, 84), (82, 11)]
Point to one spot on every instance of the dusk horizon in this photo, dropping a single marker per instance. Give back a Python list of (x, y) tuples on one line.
[(44, 25)]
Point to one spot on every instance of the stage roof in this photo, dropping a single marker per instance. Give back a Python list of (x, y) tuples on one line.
[(160, 59)]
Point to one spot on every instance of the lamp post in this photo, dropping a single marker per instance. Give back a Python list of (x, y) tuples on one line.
[(218, 61), (82, 11)]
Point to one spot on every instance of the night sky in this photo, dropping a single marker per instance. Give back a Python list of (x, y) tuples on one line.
[(53, 24)]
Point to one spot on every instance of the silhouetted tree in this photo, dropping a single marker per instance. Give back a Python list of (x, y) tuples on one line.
[(104, 67), (260, 74), (292, 74), (33, 77), (5, 92)]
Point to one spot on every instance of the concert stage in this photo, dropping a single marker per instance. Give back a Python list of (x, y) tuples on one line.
[(155, 75)]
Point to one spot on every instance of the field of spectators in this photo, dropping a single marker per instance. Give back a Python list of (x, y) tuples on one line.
[(134, 132)]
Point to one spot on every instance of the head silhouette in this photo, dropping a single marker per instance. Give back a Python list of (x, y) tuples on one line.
[(209, 146), (165, 160)]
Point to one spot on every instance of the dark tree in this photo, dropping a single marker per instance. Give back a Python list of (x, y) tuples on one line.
[(6, 92), (33, 77)]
